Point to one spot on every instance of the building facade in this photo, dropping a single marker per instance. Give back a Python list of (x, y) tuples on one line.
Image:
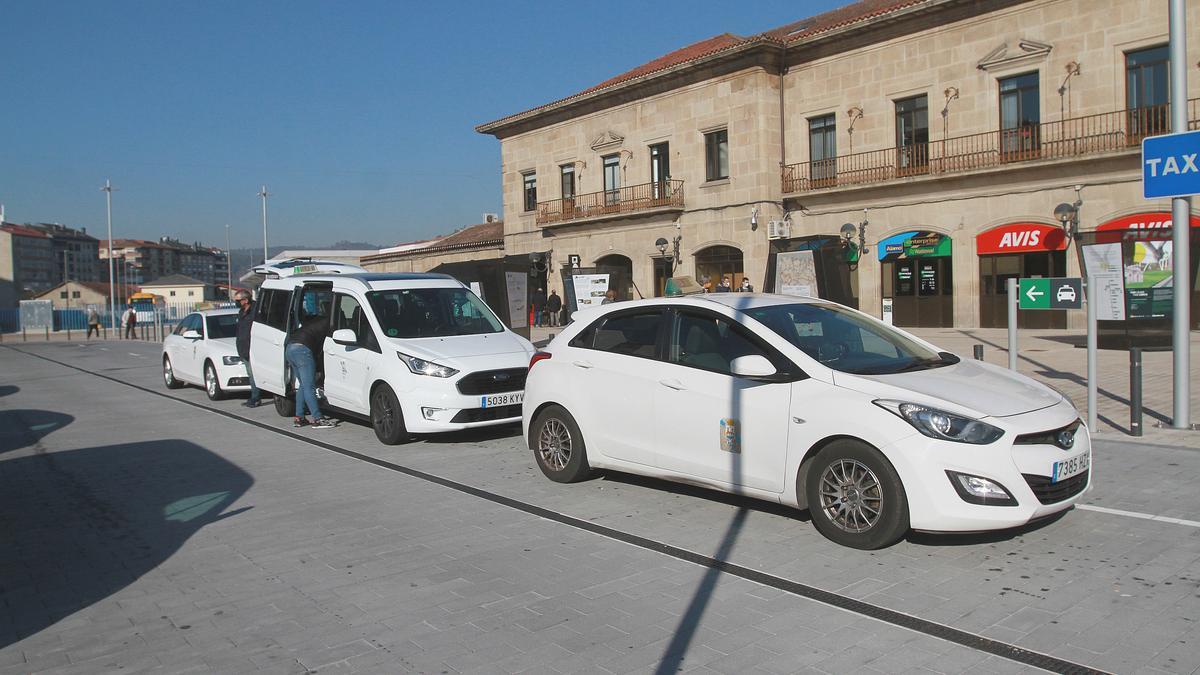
[(76, 253), (26, 263), (930, 140), (78, 295)]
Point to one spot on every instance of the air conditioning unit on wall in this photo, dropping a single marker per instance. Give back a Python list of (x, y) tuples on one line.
[(779, 229), (491, 217)]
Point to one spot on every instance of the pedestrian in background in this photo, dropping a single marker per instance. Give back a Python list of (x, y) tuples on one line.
[(303, 346), (244, 323), (539, 306), (725, 285), (93, 321), (746, 286), (610, 296), (130, 320), (553, 307)]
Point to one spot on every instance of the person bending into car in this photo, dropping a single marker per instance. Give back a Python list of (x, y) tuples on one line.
[(303, 345)]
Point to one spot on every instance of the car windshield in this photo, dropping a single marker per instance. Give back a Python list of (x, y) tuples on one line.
[(432, 312), (845, 340), (222, 326)]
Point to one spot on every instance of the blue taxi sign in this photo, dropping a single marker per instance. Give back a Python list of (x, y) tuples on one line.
[(1171, 165)]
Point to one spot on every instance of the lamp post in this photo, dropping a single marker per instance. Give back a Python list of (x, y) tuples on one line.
[(228, 265), (851, 230), (112, 287), (264, 194), (1067, 215)]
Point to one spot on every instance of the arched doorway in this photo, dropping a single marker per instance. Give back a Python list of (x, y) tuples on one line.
[(715, 262), (620, 271)]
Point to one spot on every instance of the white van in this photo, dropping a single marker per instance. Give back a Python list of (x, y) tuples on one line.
[(413, 353)]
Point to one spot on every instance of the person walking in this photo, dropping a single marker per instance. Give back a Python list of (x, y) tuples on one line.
[(746, 286), (244, 323), (93, 321), (303, 346), (130, 321), (725, 286), (539, 306), (553, 307)]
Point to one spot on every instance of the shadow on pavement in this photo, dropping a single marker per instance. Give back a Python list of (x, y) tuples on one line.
[(476, 435), (684, 490), (23, 428), (8, 389), (81, 525)]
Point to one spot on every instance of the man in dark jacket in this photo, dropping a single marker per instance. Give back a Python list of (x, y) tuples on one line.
[(245, 321), (553, 307)]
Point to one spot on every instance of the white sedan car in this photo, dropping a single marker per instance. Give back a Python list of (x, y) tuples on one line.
[(202, 350), (806, 403)]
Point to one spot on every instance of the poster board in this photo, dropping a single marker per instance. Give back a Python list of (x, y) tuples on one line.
[(1102, 262), (517, 284), (589, 289), (796, 273)]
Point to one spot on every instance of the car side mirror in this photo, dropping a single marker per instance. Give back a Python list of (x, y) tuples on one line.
[(191, 334), (345, 336), (753, 366)]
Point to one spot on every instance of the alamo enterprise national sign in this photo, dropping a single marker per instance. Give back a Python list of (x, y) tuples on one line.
[(1171, 165)]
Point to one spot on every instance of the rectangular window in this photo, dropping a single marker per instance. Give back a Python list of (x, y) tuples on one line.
[(529, 181), (567, 171), (660, 170), (822, 149), (348, 314), (612, 180), (1147, 91), (74, 294), (716, 155), (62, 295), (277, 313), (172, 294), (912, 135), (1020, 116)]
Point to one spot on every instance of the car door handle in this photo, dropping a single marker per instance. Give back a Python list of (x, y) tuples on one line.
[(583, 364), (672, 384)]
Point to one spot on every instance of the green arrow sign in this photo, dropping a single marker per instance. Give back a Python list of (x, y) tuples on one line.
[(1034, 294), (1050, 293)]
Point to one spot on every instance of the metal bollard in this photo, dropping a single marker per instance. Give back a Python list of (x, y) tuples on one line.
[(24, 335), (47, 333), (978, 352), (1135, 391)]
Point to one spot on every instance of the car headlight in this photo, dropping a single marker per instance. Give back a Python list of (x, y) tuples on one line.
[(231, 360), (423, 367), (942, 425)]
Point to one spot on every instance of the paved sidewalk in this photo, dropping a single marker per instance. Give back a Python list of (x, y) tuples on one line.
[(1059, 358)]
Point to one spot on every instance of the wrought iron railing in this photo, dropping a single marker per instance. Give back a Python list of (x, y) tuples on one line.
[(628, 199), (1072, 137)]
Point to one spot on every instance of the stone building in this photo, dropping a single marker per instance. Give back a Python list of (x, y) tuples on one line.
[(920, 147), (76, 253), (484, 241), (26, 263)]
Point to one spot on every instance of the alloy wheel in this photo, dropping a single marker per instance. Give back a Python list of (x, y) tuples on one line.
[(554, 444), (851, 495)]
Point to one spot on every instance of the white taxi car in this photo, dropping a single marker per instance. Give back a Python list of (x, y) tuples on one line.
[(202, 350), (806, 403), (412, 353)]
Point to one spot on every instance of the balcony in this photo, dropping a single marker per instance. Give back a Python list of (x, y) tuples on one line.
[(664, 195), (1064, 139)]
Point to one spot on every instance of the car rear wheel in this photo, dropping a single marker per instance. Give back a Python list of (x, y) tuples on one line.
[(558, 446), (212, 383), (284, 406), (386, 417), (169, 378), (855, 496)]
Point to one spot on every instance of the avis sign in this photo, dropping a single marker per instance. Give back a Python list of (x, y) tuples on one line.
[(1171, 165), (1051, 293)]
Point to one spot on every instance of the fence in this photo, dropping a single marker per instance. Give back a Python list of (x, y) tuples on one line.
[(75, 319)]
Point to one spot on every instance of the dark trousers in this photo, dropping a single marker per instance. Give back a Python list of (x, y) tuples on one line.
[(93, 327), (131, 331)]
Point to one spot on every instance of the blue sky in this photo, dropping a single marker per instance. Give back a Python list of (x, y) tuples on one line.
[(359, 116)]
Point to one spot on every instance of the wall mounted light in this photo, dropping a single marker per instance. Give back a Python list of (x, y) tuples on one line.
[(854, 114), (951, 94), (1067, 215)]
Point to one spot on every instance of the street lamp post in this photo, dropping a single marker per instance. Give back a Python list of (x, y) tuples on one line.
[(1181, 231), (264, 194), (228, 266), (112, 286)]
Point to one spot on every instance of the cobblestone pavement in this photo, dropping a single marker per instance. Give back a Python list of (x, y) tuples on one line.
[(142, 531)]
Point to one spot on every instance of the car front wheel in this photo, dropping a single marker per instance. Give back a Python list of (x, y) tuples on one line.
[(855, 496), (386, 417), (558, 446), (169, 378), (212, 383)]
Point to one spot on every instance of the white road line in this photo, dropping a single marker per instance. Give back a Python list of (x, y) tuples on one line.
[(104, 349), (132, 354), (1135, 514)]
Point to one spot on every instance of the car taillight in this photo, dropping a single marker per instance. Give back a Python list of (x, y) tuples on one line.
[(538, 356)]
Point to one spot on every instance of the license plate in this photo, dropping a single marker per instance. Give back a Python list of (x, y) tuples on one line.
[(1072, 466), (501, 399)]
